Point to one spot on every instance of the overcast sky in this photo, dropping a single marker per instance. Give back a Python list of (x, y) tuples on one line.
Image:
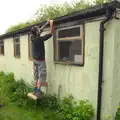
[(16, 11)]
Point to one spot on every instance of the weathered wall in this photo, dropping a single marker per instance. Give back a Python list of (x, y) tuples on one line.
[(108, 69), (21, 67), (116, 80), (82, 82)]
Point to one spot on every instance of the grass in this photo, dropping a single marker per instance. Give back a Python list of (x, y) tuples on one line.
[(12, 112)]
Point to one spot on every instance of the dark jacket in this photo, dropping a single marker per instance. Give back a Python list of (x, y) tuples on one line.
[(38, 49)]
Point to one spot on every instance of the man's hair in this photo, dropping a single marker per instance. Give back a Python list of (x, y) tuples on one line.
[(34, 30)]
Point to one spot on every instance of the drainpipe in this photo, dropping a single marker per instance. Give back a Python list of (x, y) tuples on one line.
[(100, 75)]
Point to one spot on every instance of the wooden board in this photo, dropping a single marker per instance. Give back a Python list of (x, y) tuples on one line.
[(32, 96)]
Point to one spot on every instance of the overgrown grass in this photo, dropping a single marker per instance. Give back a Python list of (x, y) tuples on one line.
[(51, 107), (17, 105), (12, 112)]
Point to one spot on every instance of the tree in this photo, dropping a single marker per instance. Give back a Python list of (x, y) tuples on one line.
[(54, 11)]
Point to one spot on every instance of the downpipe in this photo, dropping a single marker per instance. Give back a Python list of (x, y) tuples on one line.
[(100, 73)]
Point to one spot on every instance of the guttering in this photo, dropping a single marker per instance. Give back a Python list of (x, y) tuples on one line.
[(100, 74)]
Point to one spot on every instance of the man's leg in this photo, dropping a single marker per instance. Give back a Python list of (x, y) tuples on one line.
[(35, 77), (41, 75)]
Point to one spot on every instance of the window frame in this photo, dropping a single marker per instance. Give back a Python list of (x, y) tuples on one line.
[(29, 47), (2, 54), (14, 42), (81, 37)]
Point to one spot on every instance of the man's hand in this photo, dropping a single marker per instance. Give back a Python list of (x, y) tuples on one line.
[(51, 25)]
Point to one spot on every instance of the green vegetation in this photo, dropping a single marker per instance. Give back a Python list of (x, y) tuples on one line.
[(117, 117), (54, 11), (50, 107)]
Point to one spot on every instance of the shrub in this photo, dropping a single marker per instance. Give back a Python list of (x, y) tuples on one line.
[(49, 101), (69, 109), (17, 91), (57, 10), (117, 117), (61, 109)]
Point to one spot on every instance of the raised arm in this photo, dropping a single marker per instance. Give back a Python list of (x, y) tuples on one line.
[(49, 35), (46, 37)]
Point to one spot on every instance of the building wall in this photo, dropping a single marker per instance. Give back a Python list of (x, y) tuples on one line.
[(116, 80), (82, 82), (22, 68), (108, 69)]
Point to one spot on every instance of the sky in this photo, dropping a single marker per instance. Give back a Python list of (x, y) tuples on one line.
[(16, 11)]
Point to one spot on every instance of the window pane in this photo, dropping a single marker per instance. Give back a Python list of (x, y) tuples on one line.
[(2, 49), (71, 32), (17, 49), (70, 51), (64, 47)]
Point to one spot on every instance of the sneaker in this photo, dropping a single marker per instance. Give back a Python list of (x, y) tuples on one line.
[(39, 94), (35, 91)]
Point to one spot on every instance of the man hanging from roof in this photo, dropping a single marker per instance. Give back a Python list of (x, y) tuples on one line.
[(38, 55)]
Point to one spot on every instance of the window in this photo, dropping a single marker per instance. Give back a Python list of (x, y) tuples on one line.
[(1, 47), (69, 45), (17, 47), (29, 47)]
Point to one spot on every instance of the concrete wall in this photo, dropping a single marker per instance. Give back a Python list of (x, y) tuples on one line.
[(21, 67), (108, 69), (116, 80), (82, 82)]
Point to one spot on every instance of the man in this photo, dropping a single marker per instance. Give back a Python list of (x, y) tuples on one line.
[(38, 54)]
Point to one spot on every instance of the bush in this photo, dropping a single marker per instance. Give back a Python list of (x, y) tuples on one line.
[(56, 10), (49, 101), (117, 117), (69, 109), (17, 93), (61, 109), (15, 90)]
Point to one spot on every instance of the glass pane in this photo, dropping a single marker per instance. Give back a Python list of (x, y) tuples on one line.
[(71, 32), (17, 49), (70, 50), (64, 47), (1, 49)]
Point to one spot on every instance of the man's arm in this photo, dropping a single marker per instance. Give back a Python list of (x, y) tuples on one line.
[(47, 36)]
